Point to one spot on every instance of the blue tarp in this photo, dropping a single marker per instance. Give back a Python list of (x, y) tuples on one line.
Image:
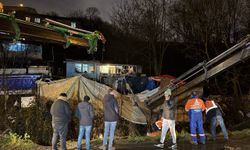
[(18, 82), (151, 84), (137, 84)]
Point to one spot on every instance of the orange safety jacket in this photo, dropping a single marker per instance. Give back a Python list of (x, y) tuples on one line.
[(159, 123), (210, 104), (195, 103)]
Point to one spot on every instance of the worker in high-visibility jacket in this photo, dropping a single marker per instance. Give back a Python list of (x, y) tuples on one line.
[(214, 117), (194, 107)]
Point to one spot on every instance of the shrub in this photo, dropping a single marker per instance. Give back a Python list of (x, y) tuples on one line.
[(38, 123), (184, 135), (13, 140), (138, 139)]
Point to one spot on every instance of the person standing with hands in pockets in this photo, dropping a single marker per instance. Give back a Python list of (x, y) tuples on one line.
[(111, 115), (84, 112), (61, 116)]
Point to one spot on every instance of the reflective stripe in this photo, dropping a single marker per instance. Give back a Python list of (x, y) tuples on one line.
[(195, 103), (196, 109), (193, 135), (210, 105), (201, 134)]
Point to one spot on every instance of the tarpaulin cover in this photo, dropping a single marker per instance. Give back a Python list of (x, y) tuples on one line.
[(78, 86), (165, 76)]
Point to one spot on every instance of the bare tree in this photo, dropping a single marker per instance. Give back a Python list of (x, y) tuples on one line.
[(76, 14), (92, 13), (147, 21), (206, 24), (246, 18), (211, 27)]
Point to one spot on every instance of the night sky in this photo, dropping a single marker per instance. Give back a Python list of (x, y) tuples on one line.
[(63, 7)]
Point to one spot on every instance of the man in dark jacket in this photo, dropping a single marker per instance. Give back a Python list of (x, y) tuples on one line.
[(214, 117), (60, 112), (84, 112), (168, 117), (110, 108)]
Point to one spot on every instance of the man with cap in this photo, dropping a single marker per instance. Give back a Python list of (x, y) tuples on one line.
[(60, 112), (84, 112), (168, 116)]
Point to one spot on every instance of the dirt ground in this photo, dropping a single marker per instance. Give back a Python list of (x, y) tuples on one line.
[(234, 143)]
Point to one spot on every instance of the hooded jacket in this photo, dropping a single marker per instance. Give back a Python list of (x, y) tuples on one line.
[(84, 112), (169, 109), (110, 107)]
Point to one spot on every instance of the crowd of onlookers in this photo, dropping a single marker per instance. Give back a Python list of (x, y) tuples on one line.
[(60, 112), (195, 106)]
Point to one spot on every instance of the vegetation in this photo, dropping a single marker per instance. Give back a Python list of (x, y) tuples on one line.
[(13, 140), (147, 21), (138, 139), (35, 121), (183, 135), (245, 132), (17, 142)]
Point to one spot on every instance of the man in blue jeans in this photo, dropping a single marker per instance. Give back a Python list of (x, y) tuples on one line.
[(84, 112), (60, 112), (110, 108), (214, 116)]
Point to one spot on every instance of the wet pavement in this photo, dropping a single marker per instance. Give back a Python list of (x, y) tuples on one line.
[(180, 146), (232, 144)]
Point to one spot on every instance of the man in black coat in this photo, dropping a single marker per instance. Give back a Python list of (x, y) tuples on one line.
[(111, 116), (60, 112)]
